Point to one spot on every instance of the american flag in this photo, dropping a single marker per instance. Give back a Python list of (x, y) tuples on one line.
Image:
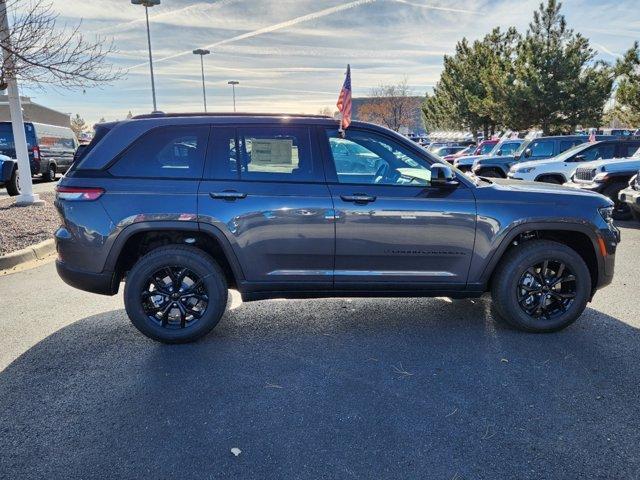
[(592, 136), (344, 101)]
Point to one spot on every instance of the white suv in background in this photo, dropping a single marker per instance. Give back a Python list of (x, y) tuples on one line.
[(560, 168)]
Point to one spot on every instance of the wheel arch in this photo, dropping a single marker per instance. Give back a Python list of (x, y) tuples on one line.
[(141, 238), (579, 237), (556, 175)]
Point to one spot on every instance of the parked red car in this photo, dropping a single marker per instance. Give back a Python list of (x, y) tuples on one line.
[(483, 148)]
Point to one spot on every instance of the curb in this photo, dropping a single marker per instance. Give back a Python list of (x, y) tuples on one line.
[(38, 251)]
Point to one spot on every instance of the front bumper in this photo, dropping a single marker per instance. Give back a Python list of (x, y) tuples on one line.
[(591, 186), (631, 197)]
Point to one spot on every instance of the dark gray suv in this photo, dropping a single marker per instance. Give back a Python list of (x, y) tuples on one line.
[(183, 207)]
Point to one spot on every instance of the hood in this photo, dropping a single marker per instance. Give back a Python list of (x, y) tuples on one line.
[(549, 190), (503, 159), (621, 165)]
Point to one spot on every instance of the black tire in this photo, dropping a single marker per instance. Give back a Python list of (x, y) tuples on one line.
[(491, 173), (517, 262), (13, 187), (621, 210), (200, 265), (550, 179), (50, 174)]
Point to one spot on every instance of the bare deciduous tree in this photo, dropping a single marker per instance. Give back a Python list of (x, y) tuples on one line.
[(42, 53), (391, 106)]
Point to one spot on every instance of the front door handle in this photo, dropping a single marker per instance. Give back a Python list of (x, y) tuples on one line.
[(358, 198), (227, 195)]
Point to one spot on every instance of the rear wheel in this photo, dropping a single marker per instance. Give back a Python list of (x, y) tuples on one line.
[(541, 286), (13, 187), (175, 294), (621, 210), (50, 174)]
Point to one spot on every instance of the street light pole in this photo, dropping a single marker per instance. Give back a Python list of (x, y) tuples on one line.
[(146, 4), (26, 196), (202, 52), (233, 84)]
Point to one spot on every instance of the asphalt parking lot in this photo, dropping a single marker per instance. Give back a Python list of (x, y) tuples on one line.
[(343, 388)]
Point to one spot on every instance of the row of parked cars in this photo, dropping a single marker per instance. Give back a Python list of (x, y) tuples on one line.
[(605, 165), (51, 150)]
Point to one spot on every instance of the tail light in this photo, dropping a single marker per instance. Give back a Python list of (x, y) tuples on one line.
[(36, 153), (79, 193)]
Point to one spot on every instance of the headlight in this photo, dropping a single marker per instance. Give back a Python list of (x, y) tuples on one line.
[(606, 213), (526, 169), (600, 177)]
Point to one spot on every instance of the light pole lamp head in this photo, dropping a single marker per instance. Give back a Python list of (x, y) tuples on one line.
[(233, 82), (201, 51), (146, 3)]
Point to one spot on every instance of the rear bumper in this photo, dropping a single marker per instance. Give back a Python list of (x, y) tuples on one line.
[(631, 197), (103, 283)]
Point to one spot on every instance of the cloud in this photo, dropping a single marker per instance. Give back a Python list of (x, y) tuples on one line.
[(271, 28), (442, 9)]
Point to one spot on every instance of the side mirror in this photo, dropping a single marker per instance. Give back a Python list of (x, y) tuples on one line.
[(527, 153), (442, 175), (499, 153)]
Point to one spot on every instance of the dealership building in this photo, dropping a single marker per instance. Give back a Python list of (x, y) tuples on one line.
[(34, 112)]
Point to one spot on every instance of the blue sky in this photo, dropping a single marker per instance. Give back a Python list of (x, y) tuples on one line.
[(290, 55)]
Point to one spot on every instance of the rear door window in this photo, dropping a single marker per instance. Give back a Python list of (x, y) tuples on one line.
[(165, 152), (276, 153)]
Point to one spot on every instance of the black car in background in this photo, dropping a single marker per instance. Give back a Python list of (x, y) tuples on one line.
[(51, 151)]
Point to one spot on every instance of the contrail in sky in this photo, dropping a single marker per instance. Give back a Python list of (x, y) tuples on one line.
[(269, 29), (433, 7)]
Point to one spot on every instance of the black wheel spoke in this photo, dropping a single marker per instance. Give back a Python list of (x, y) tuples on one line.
[(546, 289), (166, 305)]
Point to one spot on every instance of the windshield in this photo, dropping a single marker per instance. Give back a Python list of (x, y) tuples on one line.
[(487, 148)]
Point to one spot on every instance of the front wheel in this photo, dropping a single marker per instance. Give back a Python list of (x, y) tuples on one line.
[(175, 294), (541, 286), (13, 187)]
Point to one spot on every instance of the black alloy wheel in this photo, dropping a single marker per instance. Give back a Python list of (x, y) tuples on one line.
[(174, 297), (546, 290)]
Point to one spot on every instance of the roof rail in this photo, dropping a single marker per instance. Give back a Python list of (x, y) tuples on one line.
[(227, 114)]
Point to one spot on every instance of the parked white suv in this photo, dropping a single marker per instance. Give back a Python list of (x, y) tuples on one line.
[(560, 168)]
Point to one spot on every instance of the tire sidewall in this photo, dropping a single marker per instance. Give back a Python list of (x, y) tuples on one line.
[(206, 269), (514, 313)]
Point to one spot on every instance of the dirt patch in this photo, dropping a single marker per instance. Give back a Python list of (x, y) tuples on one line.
[(22, 227)]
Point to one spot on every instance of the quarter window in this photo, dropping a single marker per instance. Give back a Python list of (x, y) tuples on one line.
[(367, 158), (165, 152)]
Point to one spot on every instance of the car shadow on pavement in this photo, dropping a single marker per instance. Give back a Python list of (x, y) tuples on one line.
[(382, 388)]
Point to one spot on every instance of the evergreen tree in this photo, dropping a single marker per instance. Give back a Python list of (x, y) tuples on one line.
[(78, 125), (557, 86), (627, 95)]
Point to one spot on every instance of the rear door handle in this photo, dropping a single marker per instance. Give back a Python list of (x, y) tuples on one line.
[(227, 195), (358, 198)]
